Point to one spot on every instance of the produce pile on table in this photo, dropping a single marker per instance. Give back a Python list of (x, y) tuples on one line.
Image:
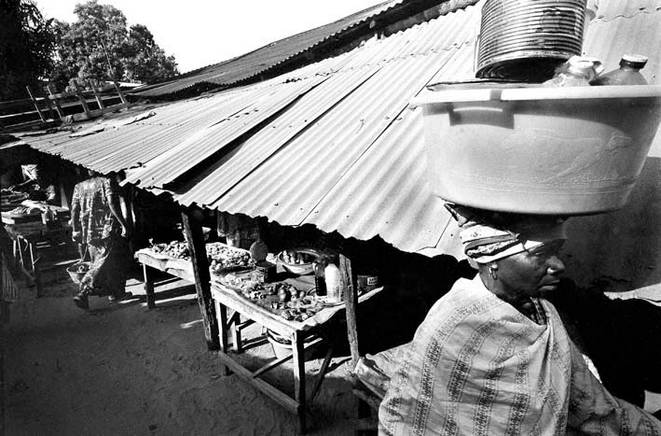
[(221, 257), (281, 298), (173, 249)]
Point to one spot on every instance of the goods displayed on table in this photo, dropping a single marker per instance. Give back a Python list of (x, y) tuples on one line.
[(173, 249), (30, 217), (10, 199), (221, 257), (281, 298), (298, 261)]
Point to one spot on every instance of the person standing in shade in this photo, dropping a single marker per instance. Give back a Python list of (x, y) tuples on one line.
[(101, 231)]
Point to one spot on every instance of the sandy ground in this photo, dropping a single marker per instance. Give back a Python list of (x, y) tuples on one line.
[(122, 369)]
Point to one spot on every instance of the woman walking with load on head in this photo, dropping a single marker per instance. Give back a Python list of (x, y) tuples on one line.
[(100, 229)]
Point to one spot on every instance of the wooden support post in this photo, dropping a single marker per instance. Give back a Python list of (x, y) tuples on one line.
[(36, 106), (97, 96), (36, 274), (299, 378), (197, 249), (56, 102), (82, 100), (149, 287), (351, 301), (221, 312), (122, 97), (130, 217)]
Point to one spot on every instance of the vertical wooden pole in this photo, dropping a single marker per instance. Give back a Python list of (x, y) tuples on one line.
[(56, 102), (120, 93), (82, 100), (351, 301), (236, 333), (299, 378), (36, 106), (99, 99), (193, 230), (221, 312), (149, 287)]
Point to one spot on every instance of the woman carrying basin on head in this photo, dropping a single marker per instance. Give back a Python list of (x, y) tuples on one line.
[(493, 357)]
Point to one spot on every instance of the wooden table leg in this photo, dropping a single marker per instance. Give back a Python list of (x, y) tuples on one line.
[(149, 287), (299, 378), (236, 332), (35, 268), (221, 313)]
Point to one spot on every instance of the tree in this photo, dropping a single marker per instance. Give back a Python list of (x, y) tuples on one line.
[(100, 46), (26, 47), (144, 60)]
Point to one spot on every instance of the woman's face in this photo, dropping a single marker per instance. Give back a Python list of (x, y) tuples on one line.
[(531, 273)]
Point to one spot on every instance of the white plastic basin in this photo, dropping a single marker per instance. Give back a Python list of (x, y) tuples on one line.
[(566, 151)]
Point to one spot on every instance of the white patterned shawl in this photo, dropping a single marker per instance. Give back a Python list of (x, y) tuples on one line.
[(477, 366)]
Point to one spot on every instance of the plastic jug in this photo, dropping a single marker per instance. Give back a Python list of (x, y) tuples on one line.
[(627, 74)]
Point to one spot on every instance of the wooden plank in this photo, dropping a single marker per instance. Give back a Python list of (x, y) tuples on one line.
[(351, 301), (120, 93), (198, 252), (83, 101), (54, 98), (159, 265), (99, 99), (149, 287), (322, 373), (236, 332), (36, 106), (269, 366), (299, 377), (271, 391)]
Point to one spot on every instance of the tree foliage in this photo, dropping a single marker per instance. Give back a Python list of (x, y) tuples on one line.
[(26, 47), (100, 46)]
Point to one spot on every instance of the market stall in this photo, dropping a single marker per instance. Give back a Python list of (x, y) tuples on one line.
[(34, 226), (294, 316)]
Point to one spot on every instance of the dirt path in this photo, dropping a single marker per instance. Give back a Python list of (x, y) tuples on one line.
[(124, 370)]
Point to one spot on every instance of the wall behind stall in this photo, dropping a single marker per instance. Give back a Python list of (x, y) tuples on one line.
[(621, 251)]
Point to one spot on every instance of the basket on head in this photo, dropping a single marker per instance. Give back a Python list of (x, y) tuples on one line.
[(75, 271)]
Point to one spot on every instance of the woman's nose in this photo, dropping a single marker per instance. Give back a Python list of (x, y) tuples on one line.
[(555, 265)]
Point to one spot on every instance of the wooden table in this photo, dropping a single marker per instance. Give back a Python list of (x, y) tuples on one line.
[(174, 267), (25, 249), (226, 298)]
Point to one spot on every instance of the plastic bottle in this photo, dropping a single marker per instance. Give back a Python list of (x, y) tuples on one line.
[(333, 283), (577, 71), (627, 74), (319, 278)]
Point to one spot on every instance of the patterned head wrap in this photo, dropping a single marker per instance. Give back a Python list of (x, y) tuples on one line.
[(488, 237)]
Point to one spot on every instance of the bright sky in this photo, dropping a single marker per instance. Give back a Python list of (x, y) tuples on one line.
[(203, 32)]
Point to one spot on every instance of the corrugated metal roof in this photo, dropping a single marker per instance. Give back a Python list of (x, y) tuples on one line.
[(346, 154)]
